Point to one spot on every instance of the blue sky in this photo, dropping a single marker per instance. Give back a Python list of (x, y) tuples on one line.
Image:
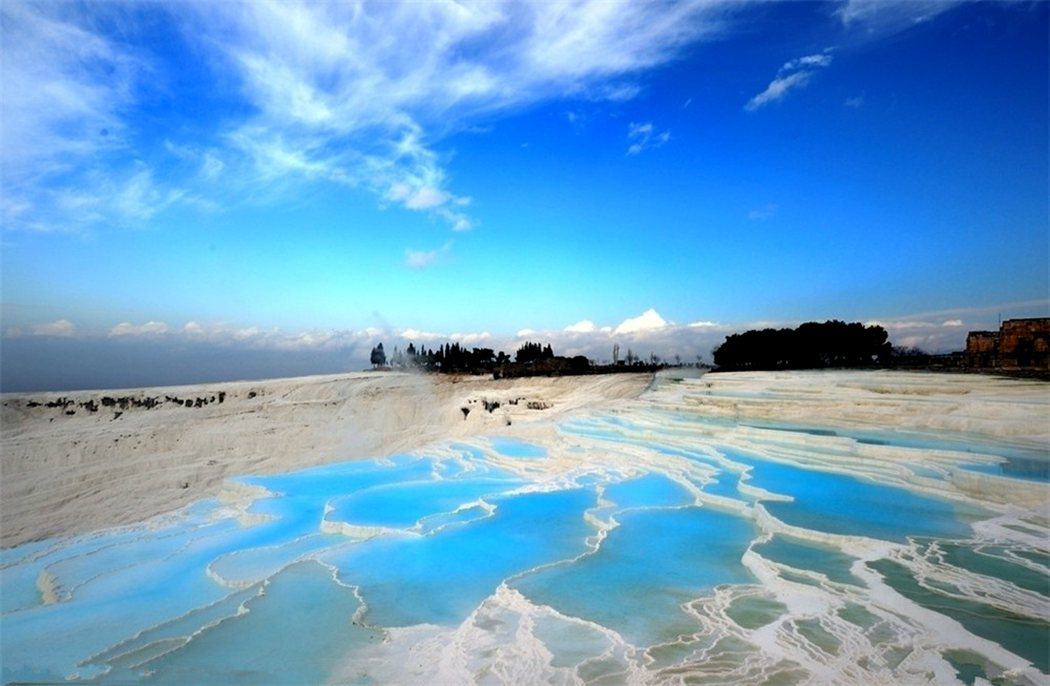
[(321, 176)]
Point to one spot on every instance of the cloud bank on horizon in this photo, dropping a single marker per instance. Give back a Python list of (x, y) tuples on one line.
[(58, 356), (649, 332)]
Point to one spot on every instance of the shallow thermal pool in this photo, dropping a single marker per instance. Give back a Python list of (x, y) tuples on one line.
[(641, 544)]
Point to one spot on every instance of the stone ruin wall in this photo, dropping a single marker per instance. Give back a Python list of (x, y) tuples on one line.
[(1025, 343), (1019, 344)]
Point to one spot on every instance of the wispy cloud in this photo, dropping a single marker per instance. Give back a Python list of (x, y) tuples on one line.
[(211, 165), (65, 140), (1039, 307), (792, 75), (643, 136), (358, 96), (421, 259), (151, 328), (362, 95), (878, 18), (64, 87), (777, 89), (62, 327)]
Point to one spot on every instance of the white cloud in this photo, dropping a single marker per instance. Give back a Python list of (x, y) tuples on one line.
[(883, 17), (644, 137), (147, 329), (421, 259), (635, 130), (417, 335), (421, 198), (62, 327), (807, 62), (953, 322), (647, 321), (426, 198), (459, 221), (792, 75), (777, 89), (854, 103), (585, 326), (470, 338)]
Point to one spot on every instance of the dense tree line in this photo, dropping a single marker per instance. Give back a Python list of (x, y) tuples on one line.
[(531, 359), (453, 358), (450, 357), (812, 345), (532, 352)]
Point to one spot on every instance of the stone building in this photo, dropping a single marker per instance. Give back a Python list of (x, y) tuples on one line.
[(1025, 343), (1018, 344), (982, 348)]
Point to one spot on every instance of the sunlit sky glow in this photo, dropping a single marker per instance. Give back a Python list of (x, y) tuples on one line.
[(321, 176)]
